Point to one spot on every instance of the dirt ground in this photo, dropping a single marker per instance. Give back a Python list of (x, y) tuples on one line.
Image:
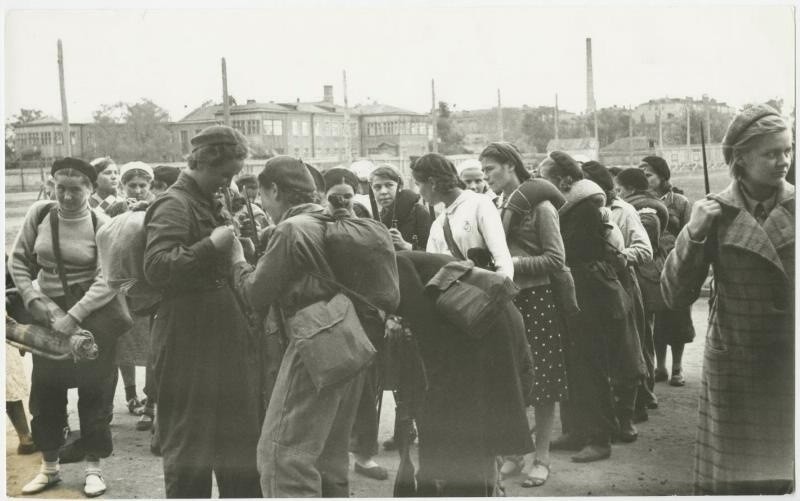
[(658, 463)]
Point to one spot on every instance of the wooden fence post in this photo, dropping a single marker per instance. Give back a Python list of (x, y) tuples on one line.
[(22, 176)]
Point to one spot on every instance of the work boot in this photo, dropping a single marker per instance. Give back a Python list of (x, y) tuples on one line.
[(592, 453), (627, 431)]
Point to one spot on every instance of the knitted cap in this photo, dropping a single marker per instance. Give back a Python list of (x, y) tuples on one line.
[(218, 134), (581, 190), (741, 122), (472, 163), (127, 170)]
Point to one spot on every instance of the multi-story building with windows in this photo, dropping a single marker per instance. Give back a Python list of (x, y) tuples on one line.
[(44, 138)]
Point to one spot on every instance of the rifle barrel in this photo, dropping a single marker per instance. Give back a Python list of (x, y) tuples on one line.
[(705, 163)]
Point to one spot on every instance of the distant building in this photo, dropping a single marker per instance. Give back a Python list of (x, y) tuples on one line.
[(315, 129), (44, 139)]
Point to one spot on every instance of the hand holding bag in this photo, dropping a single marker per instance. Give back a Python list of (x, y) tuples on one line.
[(110, 320)]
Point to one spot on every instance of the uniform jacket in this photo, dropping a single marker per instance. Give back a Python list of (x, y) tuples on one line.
[(745, 440), (409, 216)]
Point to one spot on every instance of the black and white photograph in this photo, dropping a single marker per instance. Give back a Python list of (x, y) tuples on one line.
[(410, 248)]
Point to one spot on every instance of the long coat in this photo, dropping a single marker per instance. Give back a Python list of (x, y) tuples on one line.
[(745, 439), (474, 406)]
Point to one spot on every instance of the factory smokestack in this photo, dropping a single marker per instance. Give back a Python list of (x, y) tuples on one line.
[(590, 104)]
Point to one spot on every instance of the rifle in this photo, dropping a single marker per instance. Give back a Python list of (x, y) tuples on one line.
[(705, 163), (254, 238)]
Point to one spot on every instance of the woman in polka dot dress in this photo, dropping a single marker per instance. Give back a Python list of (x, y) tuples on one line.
[(530, 220)]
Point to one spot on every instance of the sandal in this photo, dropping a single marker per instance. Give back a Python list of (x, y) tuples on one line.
[(534, 480)]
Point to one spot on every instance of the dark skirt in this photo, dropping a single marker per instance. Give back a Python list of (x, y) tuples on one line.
[(539, 313), (673, 327)]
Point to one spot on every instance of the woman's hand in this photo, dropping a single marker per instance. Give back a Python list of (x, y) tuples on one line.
[(703, 214), (397, 240), (222, 237), (40, 313), (66, 324)]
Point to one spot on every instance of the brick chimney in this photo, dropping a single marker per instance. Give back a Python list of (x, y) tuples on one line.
[(327, 92)]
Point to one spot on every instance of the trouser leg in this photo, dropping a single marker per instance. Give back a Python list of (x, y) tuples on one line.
[(128, 380), (48, 405), (92, 412), (594, 402), (187, 480), (625, 393), (365, 428), (16, 413), (333, 464), (297, 427), (477, 477), (236, 475)]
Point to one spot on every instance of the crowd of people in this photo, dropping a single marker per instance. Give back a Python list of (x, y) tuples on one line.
[(288, 302)]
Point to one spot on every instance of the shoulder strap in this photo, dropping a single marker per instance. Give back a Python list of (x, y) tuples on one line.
[(448, 237), (62, 275), (349, 292), (44, 212)]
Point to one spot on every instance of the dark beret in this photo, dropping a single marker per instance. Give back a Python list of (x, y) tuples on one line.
[(77, 164), (319, 180), (741, 122), (287, 172), (566, 165), (218, 134), (633, 178), (659, 166), (338, 175), (166, 174), (598, 173)]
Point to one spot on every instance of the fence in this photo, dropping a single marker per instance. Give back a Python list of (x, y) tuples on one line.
[(26, 175)]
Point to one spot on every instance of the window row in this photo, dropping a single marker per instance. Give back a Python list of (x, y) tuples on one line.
[(43, 138), (259, 127), (395, 128)]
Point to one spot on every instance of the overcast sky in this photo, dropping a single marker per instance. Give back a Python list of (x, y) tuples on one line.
[(392, 50)]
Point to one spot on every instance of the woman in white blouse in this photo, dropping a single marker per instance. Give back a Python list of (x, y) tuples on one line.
[(472, 219)]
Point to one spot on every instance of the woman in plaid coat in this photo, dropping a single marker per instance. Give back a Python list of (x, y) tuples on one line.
[(745, 439)]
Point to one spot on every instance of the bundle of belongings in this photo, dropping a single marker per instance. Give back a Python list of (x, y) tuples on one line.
[(43, 341)]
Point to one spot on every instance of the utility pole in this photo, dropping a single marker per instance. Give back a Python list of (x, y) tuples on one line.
[(591, 104), (688, 124), (555, 119), (347, 145), (434, 115), (707, 114), (630, 137), (660, 131), (225, 106), (64, 115), (499, 116)]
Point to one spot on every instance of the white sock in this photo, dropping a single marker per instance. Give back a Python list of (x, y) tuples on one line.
[(93, 467), (50, 467)]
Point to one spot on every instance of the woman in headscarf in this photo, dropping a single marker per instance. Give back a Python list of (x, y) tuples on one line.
[(530, 221), (401, 210), (36, 257), (672, 327), (745, 440)]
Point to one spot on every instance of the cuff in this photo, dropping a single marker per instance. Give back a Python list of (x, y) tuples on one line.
[(79, 312), (204, 249), (28, 295)]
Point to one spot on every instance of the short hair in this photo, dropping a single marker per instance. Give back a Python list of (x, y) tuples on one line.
[(747, 140), (388, 172), (563, 165), (506, 154), (634, 179), (213, 155), (598, 173), (101, 164), (440, 169)]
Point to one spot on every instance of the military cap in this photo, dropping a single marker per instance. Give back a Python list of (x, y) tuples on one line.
[(287, 172), (218, 134)]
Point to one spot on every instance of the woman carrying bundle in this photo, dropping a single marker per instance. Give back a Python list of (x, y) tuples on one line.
[(401, 210), (530, 221), (72, 259)]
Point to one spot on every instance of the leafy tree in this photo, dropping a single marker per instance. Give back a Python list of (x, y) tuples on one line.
[(451, 141), (137, 131), (537, 127)]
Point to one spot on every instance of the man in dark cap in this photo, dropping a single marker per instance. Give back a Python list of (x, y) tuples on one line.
[(204, 356), (303, 447)]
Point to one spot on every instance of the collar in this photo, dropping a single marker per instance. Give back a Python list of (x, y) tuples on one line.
[(463, 197), (302, 209), (186, 183), (732, 196), (751, 203)]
